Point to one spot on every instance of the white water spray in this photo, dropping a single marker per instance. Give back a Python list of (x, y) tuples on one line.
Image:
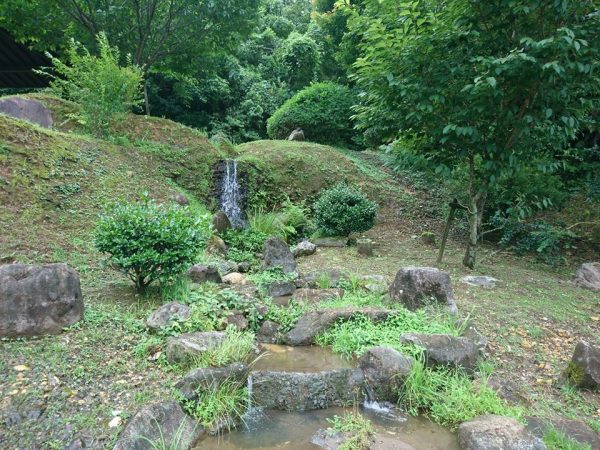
[(230, 197)]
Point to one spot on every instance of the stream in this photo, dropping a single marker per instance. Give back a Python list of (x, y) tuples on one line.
[(270, 430)]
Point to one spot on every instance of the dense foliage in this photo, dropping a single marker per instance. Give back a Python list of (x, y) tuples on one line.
[(342, 210), (104, 90), (148, 241), (487, 90), (323, 112)]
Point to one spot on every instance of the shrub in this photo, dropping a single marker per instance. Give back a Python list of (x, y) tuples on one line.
[(342, 210), (148, 241), (322, 110), (103, 88), (244, 245), (300, 58)]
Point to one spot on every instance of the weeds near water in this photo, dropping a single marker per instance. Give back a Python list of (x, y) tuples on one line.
[(450, 397), (236, 347), (354, 298), (287, 317), (179, 440), (323, 281), (219, 406), (359, 427), (355, 336)]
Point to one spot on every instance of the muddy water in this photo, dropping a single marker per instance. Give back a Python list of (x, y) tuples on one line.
[(284, 358), (278, 430), (274, 430)]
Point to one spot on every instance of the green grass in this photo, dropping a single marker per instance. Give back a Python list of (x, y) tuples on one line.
[(354, 298), (224, 404), (236, 347), (359, 427), (451, 397), (355, 336), (555, 440)]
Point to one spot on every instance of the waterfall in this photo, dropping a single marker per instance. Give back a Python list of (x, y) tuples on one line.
[(230, 195)]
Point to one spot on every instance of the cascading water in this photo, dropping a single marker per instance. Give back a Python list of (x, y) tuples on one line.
[(230, 195)]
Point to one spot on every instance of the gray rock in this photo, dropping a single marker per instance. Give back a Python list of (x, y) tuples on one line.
[(445, 350), (238, 321), (471, 332), (37, 300), (179, 348), (480, 281), (296, 135), (212, 377), (329, 439), (385, 370), (164, 315), (574, 429), (508, 390), (220, 222), (277, 254), (377, 288), (268, 332), (294, 391), (334, 242), (26, 109), (244, 267), (216, 246), (490, 432), (317, 295), (227, 267), (588, 276), (313, 323), (164, 423), (304, 248), (416, 286), (202, 273), (281, 288), (235, 278), (364, 247), (181, 199), (584, 369), (331, 276)]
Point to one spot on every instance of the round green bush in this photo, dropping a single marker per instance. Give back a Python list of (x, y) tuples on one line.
[(322, 110), (344, 209), (148, 242)]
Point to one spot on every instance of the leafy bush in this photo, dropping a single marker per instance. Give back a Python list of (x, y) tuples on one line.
[(103, 88), (548, 242), (148, 241), (342, 210), (322, 110), (358, 427), (244, 245)]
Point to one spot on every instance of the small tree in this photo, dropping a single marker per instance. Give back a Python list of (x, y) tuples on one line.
[(148, 242), (344, 209), (103, 88), (489, 88)]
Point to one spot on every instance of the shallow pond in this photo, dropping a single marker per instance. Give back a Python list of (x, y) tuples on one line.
[(293, 431), (284, 358)]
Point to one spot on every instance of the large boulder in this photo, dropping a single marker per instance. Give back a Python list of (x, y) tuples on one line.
[(210, 377), (415, 287), (296, 135), (268, 332), (588, 276), (166, 314), (385, 370), (445, 350), (185, 346), (280, 288), (304, 248), (584, 369), (220, 222), (165, 424), (295, 391), (235, 278), (203, 273), (26, 109), (490, 432), (277, 254), (36, 300), (313, 323)]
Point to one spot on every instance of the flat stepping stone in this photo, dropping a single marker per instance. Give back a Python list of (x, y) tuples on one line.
[(496, 432), (182, 347)]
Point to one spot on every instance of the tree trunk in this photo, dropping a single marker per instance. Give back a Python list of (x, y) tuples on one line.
[(146, 101), (475, 212)]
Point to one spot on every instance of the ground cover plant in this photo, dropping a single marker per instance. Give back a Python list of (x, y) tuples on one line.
[(357, 426)]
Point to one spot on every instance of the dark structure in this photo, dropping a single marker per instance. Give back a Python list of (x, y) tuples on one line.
[(17, 63)]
